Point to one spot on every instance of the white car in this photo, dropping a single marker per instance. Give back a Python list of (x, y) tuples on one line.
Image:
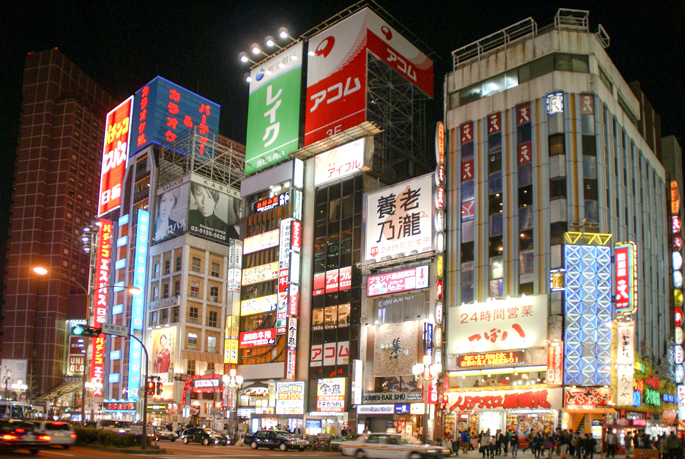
[(61, 433), (396, 446)]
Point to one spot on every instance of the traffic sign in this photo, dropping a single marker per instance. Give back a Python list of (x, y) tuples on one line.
[(112, 329)]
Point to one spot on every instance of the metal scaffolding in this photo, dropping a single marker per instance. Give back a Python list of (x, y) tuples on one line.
[(208, 155)]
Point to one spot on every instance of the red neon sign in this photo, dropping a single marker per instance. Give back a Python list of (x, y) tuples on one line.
[(102, 270), (115, 156)]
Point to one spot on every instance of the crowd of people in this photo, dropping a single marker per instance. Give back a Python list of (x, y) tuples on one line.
[(566, 444)]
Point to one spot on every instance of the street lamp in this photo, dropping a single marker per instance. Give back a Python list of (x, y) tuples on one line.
[(426, 372), (233, 381)]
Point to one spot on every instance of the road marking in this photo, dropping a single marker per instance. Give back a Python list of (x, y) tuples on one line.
[(59, 454)]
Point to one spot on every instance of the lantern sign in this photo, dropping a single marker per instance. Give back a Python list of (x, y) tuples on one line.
[(675, 198), (438, 313), (439, 289), (679, 374), (440, 197), (679, 354), (440, 143), (675, 224), (678, 317), (679, 335)]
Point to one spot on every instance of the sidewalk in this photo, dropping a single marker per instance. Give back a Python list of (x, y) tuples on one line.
[(528, 454)]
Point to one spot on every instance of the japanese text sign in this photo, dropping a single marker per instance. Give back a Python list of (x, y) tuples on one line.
[(260, 241), (505, 400), (398, 281), (339, 162), (164, 110), (273, 116), (257, 338), (555, 363), (290, 397), (625, 351), (102, 269), (491, 359), (399, 219), (586, 397), (115, 156), (260, 273), (626, 278), (330, 395), (499, 325)]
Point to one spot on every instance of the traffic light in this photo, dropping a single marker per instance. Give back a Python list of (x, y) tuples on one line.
[(150, 387), (100, 406), (159, 387), (84, 330)]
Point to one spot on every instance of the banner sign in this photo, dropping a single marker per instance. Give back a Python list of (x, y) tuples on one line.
[(586, 397), (100, 295), (625, 352), (555, 363), (500, 400), (258, 305), (137, 311), (257, 338), (396, 282), (339, 162), (330, 395), (399, 219), (115, 156), (260, 273), (626, 278), (290, 397), (260, 242), (491, 359)]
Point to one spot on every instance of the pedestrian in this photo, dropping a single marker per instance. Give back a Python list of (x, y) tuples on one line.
[(563, 443), (529, 441), (498, 442), (506, 439), (447, 443), (514, 445), (493, 446), (628, 439), (549, 444), (579, 443), (589, 446), (612, 443), (456, 444), (672, 445), (537, 444), (465, 441), (484, 441)]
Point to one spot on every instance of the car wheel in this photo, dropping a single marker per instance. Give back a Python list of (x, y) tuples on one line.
[(359, 454), (205, 441), (301, 448), (65, 446), (254, 445), (185, 440), (283, 447), (34, 452), (415, 456), (173, 440)]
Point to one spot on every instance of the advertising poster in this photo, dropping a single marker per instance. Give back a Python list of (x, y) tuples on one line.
[(339, 162), (330, 395), (501, 325), (13, 370), (396, 282), (214, 210), (171, 210), (77, 360), (261, 241), (273, 116), (396, 349), (290, 397), (399, 219), (162, 355), (260, 273), (115, 156), (100, 301)]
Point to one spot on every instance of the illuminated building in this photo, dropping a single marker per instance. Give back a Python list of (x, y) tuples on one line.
[(54, 197), (555, 180)]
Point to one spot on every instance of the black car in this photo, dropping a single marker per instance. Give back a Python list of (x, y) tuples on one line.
[(272, 439), (21, 435), (204, 436)]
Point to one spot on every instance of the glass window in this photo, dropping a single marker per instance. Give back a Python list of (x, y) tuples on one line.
[(344, 315), (317, 319), (467, 190), (467, 151), (511, 79), (156, 270), (527, 261), (190, 368), (195, 290), (592, 212), (523, 133), (213, 319), (495, 163), (495, 246), (495, 183), (496, 288), (496, 267), (526, 196), (467, 294), (562, 62), (193, 315), (495, 204), (177, 287), (493, 85), (525, 174), (580, 63), (471, 93), (211, 344), (556, 145), (589, 167), (541, 66), (165, 290), (330, 317), (155, 293), (526, 217), (526, 240), (167, 266), (556, 233), (192, 341), (165, 316), (178, 263), (467, 230), (467, 252), (496, 225), (195, 265), (213, 293), (174, 314), (590, 189)]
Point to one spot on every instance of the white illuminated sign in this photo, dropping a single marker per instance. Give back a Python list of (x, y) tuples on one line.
[(339, 162), (260, 241)]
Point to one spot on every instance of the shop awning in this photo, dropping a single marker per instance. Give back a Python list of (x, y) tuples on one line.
[(58, 391), (200, 356)]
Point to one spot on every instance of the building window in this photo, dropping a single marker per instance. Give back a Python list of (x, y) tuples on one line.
[(192, 341), (178, 263), (195, 266), (193, 315), (215, 269), (174, 314), (211, 367), (211, 344), (155, 293), (190, 369), (165, 316), (195, 290), (213, 293), (167, 266), (156, 270), (177, 287), (165, 290), (556, 144), (212, 319)]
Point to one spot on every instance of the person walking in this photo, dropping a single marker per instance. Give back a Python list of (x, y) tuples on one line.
[(578, 443), (538, 442), (628, 439), (493, 446), (484, 441), (514, 442), (456, 443), (506, 439), (589, 446), (465, 440), (498, 442), (612, 443), (529, 441)]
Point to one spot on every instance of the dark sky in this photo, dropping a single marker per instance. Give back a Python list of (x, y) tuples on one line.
[(123, 45)]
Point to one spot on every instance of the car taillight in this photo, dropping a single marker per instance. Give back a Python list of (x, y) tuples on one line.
[(9, 437), (73, 435), (44, 437)]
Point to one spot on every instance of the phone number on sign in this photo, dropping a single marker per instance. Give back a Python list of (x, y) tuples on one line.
[(210, 233)]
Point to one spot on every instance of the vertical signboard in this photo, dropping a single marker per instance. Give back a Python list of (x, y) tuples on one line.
[(138, 309), (115, 156), (273, 115), (102, 271), (291, 359), (626, 278)]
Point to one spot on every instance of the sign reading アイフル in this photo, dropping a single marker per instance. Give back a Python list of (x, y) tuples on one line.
[(115, 156), (339, 162), (273, 117), (399, 219), (499, 325)]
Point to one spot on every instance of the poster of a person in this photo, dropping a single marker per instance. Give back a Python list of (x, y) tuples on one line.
[(213, 214), (170, 213), (162, 350)]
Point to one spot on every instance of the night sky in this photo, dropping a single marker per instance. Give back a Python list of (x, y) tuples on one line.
[(123, 45)]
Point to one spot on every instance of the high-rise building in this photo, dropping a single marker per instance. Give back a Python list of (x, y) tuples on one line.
[(559, 279), (55, 194)]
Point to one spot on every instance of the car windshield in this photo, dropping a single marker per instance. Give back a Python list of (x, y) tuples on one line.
[(57, 426), (408, 439)]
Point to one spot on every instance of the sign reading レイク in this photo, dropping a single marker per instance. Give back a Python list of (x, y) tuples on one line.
[(115, 156), (398, 281)]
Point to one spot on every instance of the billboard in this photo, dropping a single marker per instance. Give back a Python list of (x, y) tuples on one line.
[(138, 307), (339, 162), (77, 359), (396, 282), (162, 356), (214, 210), (290, 397), (273, 115), (399, 219), (171, 210), (499, 325), (260, 273), (164, 110), (260, 241), (115, 156), (330, 395), (102, 271), (336, 72), (13, 370), (257, 338), (626, 278)]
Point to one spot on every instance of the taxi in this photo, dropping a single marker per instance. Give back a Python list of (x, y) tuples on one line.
[(389, 445)]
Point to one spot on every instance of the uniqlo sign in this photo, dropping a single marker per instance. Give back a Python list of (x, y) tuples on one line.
[(337, 66), (115, 156)]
